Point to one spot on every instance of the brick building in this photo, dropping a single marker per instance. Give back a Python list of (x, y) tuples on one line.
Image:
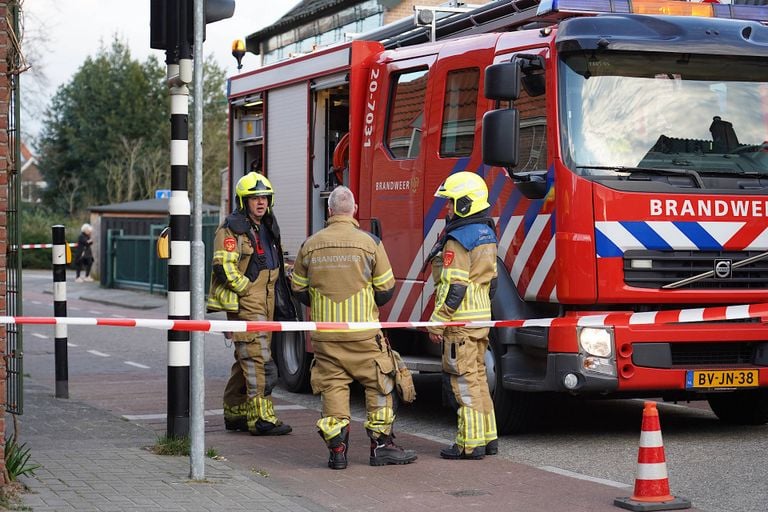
[(32, 182), (314, 24)]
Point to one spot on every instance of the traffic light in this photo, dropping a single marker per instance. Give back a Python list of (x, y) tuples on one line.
[(217, 10), (171, 22)]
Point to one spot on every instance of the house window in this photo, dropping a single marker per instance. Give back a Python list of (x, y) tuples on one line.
[(406, 114), (459, 108)]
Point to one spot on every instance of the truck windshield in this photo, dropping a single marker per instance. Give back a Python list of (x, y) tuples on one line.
[(626, 111)]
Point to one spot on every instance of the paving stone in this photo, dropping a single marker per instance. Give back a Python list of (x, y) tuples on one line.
[(94, 461)]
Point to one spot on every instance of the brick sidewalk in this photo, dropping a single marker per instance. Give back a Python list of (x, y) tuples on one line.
[(94, 461), (94, 456)]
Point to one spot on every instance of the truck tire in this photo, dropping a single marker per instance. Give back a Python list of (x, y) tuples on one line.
[(516, 411), (293, 360), (741, 407)]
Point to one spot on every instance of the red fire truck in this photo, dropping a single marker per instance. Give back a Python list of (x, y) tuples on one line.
[(624, 146)]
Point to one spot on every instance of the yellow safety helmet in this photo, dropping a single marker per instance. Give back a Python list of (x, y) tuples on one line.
[(253, 184), (468, 192)]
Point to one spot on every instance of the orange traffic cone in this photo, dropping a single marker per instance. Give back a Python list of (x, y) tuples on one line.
[(651, 482)]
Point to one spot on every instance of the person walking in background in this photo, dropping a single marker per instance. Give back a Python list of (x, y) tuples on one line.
[(247, 263), (84, 254), (464, 270), (343, 274)]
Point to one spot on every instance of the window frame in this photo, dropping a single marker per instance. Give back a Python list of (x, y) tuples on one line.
[(394, 81), (443, 124)]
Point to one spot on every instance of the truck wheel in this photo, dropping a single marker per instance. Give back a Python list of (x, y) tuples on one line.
[(515, 410), (293, 360), (741, 407)]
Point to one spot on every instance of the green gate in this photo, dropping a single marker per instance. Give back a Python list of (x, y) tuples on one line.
[(132, 260)]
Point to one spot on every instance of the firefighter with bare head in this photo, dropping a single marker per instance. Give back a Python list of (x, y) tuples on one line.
[(464, 270), (247, 261), (343, 274)]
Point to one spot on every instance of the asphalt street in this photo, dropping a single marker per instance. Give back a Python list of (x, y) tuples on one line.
[(718, 467)]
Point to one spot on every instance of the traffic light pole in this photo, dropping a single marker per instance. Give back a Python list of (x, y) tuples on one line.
[(175, 25), (197, 420)]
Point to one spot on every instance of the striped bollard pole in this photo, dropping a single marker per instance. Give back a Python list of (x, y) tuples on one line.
[(59, 260), (179, 297)]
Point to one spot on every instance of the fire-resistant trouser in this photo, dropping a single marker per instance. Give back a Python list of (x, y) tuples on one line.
[(335, 366), (464, 369), (251, 379), (235, 393)]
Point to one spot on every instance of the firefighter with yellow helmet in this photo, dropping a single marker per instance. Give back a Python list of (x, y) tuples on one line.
[(247, 264), (344, 275), (464, 270)]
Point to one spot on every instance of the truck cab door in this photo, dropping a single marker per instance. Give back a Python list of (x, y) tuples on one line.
[(393, 170), (453, 141)]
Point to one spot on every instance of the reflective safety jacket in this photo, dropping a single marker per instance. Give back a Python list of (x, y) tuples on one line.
[(463, 272), (241, 280), (343, 274)]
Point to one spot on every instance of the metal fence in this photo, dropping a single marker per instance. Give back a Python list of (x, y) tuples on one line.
[(132, 262)]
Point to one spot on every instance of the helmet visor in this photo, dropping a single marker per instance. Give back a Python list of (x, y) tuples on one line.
[(442, 192), (259, 189)]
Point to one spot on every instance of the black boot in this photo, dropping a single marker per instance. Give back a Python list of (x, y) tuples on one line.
[(236, 423), (265, 428), (384, 451), (337, 448), (457, 452), (492, 448)]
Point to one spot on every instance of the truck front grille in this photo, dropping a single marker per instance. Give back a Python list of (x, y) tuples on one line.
[(705, 354), (654, 269)]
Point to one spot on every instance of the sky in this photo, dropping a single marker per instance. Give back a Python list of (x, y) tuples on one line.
[(75, 29)]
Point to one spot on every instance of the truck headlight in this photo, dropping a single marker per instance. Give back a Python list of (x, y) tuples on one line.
[(596, 341)]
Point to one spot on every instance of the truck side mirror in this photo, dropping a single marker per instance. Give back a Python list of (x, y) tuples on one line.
[(501, 137), (502, 81), (532, 185), (532, 73), (534, 84)]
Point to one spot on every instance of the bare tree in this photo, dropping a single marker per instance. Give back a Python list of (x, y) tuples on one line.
[(154, 171), (33, 44), (122, 169), (136, 172), (68, 189)]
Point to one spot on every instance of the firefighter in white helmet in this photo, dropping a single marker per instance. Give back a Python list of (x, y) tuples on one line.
[(247, 262), (343, 274), (464, 270)]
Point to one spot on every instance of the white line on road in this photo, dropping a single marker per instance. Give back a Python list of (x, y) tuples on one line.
[(38, 335), (579, 476), (137, 365), (94, 312), (71, 344), (36, 302), (210, 412), (97, 353)]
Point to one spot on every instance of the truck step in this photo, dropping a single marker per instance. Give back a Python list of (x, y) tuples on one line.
[(423, 364)]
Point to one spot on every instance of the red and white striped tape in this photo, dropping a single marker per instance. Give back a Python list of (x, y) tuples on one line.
[(42, 246), (711, 314)]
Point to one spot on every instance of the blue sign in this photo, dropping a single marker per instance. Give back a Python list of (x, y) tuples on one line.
[(162, 194)]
